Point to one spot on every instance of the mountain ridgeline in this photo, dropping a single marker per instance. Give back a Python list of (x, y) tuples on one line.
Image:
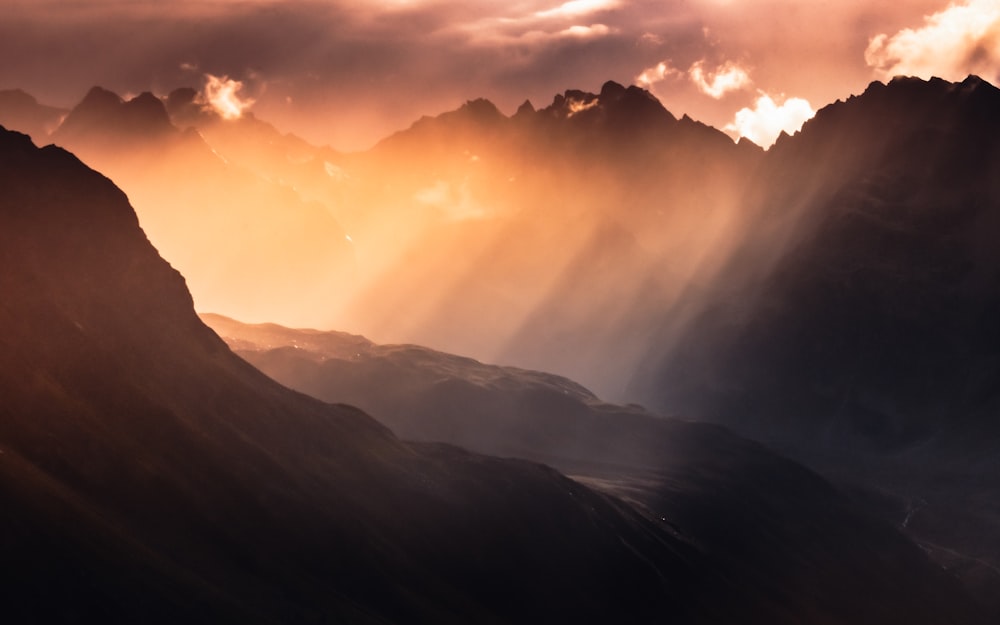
[(834, 296), (577, 219), (148, 474), (871, 316)]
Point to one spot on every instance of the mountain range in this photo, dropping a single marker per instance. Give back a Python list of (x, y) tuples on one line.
[(832, 297), (148, 474)]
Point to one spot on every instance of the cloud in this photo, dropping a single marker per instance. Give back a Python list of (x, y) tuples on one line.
[(579, 106), (960, 40), (652, 75), (576, 8), (221, 93), (766, 121), (726, 78), (357, 71), (594, 30)]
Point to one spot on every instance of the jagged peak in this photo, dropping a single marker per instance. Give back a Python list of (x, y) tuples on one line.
[(105, 112), (611, 89), (481, 109), (98, 98), (526, 108)]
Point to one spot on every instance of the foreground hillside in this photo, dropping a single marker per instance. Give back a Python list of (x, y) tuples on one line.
[(147, 474), (770, 526)]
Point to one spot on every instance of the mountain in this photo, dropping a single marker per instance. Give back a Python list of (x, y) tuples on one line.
[(148, 474), (246, 240), (21, 110), (770, 527), (882, 277), (857, 332), (592, 217), (579, 219)]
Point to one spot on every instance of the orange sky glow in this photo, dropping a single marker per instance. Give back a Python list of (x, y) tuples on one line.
[(487, 241), (349, 73)]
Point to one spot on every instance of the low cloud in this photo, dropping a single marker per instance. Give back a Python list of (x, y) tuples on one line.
[(726, 78), (960, 40), (652, 75), (764, 123), (222, 94), (576, 8)]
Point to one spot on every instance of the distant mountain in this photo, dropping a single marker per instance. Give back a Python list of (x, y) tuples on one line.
[(245, 239), (576, 224), (22, 111), (591, 217), (771, 527), (105, 119)]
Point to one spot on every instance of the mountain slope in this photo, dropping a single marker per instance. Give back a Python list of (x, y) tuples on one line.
[(882, 212), (145, 465), (860, 335), (769, 526)]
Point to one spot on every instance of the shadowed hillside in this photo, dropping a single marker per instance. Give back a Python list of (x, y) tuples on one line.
[(772, 528)]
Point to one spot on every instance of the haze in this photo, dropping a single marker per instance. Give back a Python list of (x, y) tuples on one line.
[(500, 236)]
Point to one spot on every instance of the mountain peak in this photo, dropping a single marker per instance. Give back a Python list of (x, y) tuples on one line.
[(526, 109), (98, 99), (612, 90), (104, 115), (482, 110), (20, 111), (626, 105)]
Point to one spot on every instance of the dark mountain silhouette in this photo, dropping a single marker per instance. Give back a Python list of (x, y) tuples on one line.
[(773, 528), (833, 296), (104, 118), (862, 338), (22, 111), (873, 318), (150, 475)]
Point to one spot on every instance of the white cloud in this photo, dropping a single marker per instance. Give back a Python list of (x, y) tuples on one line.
[(959, 40), (726, 78), (579, 106), (766, 121), (576, 8), (652, 75), (594, 30), (221, 93)]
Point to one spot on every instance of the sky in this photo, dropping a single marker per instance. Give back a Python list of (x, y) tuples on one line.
[(348, 73)]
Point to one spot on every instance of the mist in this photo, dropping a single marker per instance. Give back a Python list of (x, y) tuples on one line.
[(560, 239)]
